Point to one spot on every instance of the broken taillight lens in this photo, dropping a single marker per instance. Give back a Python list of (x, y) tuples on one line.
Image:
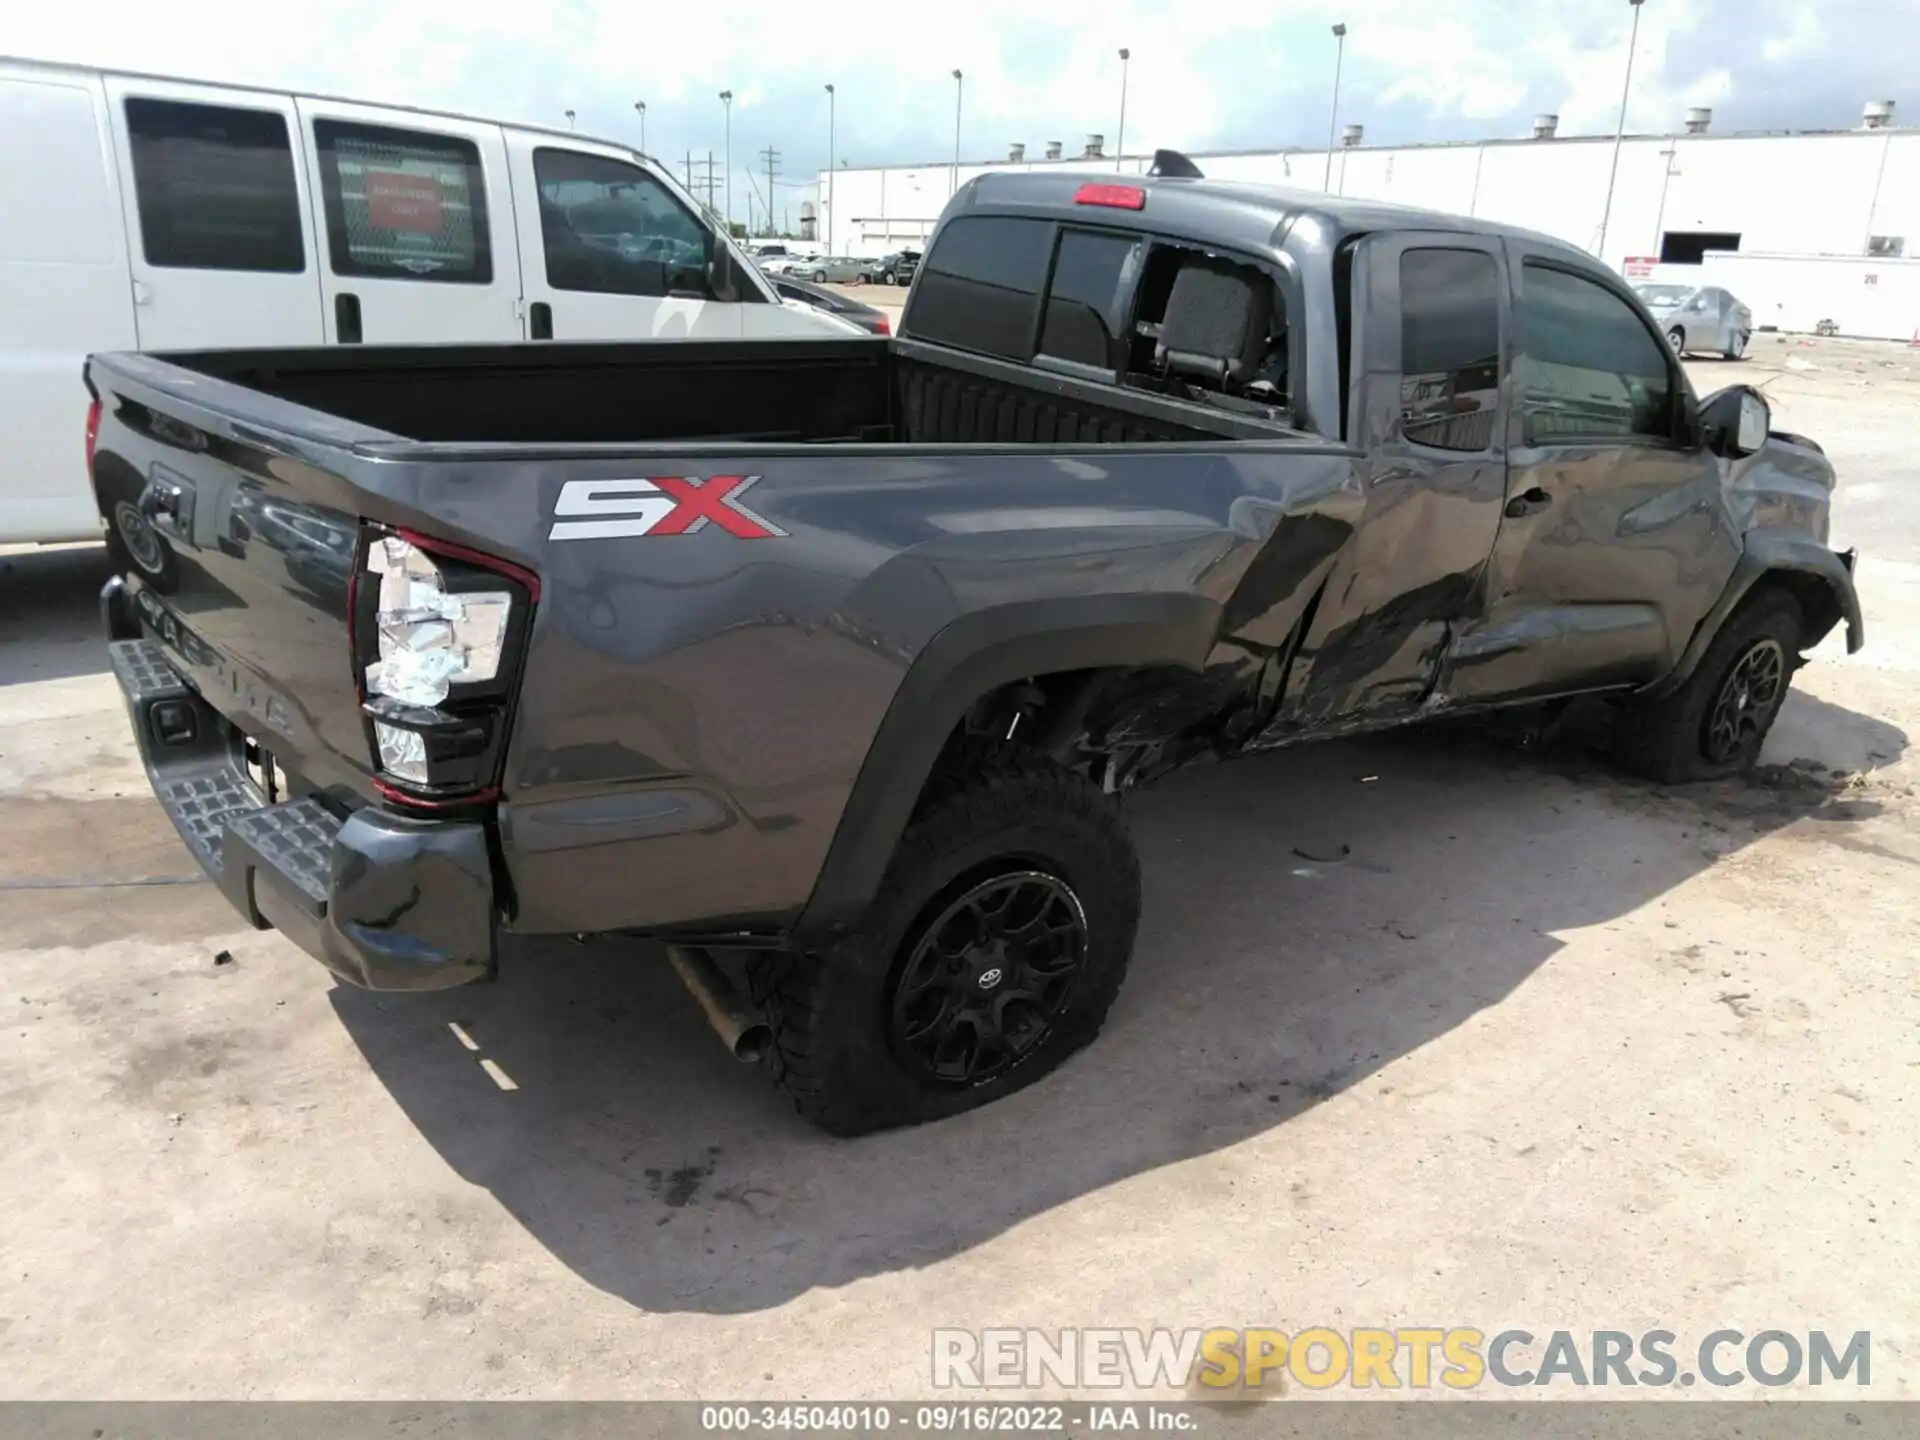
[(437, 629)]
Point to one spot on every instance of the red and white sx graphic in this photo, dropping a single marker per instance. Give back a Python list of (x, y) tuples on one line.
[(658, 505)]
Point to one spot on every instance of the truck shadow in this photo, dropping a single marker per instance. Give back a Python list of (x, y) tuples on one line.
[(50, 613), (1311, 916)]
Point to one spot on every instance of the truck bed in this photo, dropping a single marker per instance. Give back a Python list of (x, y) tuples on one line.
[(852, 391)]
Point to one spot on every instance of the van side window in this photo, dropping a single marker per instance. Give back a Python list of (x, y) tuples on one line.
[(1449, 348), (612, 229), (215, 187), (402, 205), (980, 286), (1589, 367), (1086, 316)]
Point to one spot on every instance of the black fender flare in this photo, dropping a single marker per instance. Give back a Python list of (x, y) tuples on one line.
[(970, 657), (1774, 552)]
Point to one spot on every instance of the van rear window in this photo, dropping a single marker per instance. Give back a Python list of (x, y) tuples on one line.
[(215, 187), (403, 205)]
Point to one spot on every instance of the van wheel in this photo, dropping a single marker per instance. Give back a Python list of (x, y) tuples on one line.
[(1000, 938), (1715, 724), (133, 545)]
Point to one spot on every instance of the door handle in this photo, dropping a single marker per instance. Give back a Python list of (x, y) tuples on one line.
[(1528, 502), (346, 318), (540, 320)]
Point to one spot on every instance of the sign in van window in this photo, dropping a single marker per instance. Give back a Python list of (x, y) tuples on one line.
[(402, 205)]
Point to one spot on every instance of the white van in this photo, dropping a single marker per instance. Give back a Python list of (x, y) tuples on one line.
[(152, 214)]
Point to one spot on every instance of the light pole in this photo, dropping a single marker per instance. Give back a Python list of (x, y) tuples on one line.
[(958, 83), (726, 99), (570, 119), (1333, 119), (1619, 129), (641, 107), (1120, 144), (831, 214)]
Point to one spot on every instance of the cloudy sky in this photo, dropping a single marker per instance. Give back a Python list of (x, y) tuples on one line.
[(1230, 74)]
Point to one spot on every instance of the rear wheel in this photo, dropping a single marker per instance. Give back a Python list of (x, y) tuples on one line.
[(819, 277), (890, 278), (1677, 338), (1000, 938), (1716, 723), (1736, 345)]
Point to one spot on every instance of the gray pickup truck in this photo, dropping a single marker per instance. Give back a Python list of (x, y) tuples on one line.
[(823, 661)]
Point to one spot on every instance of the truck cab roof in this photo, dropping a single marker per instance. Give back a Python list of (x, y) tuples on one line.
[(1252, 218)]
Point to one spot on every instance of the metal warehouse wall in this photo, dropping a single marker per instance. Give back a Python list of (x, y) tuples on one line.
[(1784, 196)]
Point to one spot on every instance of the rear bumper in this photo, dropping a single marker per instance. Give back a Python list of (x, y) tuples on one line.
[(384, 901)]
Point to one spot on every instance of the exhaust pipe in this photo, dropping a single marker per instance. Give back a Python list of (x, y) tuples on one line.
[(740, 1027)]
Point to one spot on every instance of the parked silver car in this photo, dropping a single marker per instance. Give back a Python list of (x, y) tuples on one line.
[(1700, 317), (824, 269)]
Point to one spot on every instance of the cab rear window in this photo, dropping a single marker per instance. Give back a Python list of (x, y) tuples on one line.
[(979, 289)]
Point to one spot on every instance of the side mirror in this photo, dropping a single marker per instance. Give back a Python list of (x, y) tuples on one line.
[(1736, 421), (723, 276)]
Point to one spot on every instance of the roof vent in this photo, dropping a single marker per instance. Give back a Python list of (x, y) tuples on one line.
[(1095, 144), (1351, 136), (1698, 119), (1016, 152), (1877, 115), (1053, 149), (1545, 127)]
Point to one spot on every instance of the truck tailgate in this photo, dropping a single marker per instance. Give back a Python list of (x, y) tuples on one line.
[(239, 547)]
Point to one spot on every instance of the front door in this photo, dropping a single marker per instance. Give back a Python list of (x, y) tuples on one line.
[(1431, 312), (611, 252), (1614, 541), (416, 226), (216, 211)]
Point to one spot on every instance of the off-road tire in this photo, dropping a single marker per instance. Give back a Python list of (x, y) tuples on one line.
[(831, 1012), (1665, 740)]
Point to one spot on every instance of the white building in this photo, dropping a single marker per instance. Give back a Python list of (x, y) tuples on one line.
[(1804, 227)]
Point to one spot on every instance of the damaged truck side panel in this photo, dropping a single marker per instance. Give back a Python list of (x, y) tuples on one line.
[(834, 653)]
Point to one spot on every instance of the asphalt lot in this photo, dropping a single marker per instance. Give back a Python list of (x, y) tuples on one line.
[(1548, 1048)]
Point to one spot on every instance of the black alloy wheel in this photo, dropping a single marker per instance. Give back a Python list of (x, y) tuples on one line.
[(988, 976), (1745, 701)]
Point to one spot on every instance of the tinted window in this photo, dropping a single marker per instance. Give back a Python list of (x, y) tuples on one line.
[(403, 205), (215, 187), (1589, 369), (611, 228), (1449, 348), (1086, 307), (980, 287)]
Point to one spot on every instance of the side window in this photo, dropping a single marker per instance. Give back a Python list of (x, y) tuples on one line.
[(610, 228), (980, 287), (1449, 348), (402, 205), (1589, 369), (215, 187), (1086, 315)]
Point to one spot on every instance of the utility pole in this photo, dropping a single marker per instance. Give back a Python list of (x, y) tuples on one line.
[(1120, 144), (1619, 129), (1333, 116), (772, 157), (726, 99), (832, 215)]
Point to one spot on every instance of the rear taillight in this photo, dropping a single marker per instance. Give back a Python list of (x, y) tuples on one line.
[(93, 431), (881, 325), (437, 634)]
